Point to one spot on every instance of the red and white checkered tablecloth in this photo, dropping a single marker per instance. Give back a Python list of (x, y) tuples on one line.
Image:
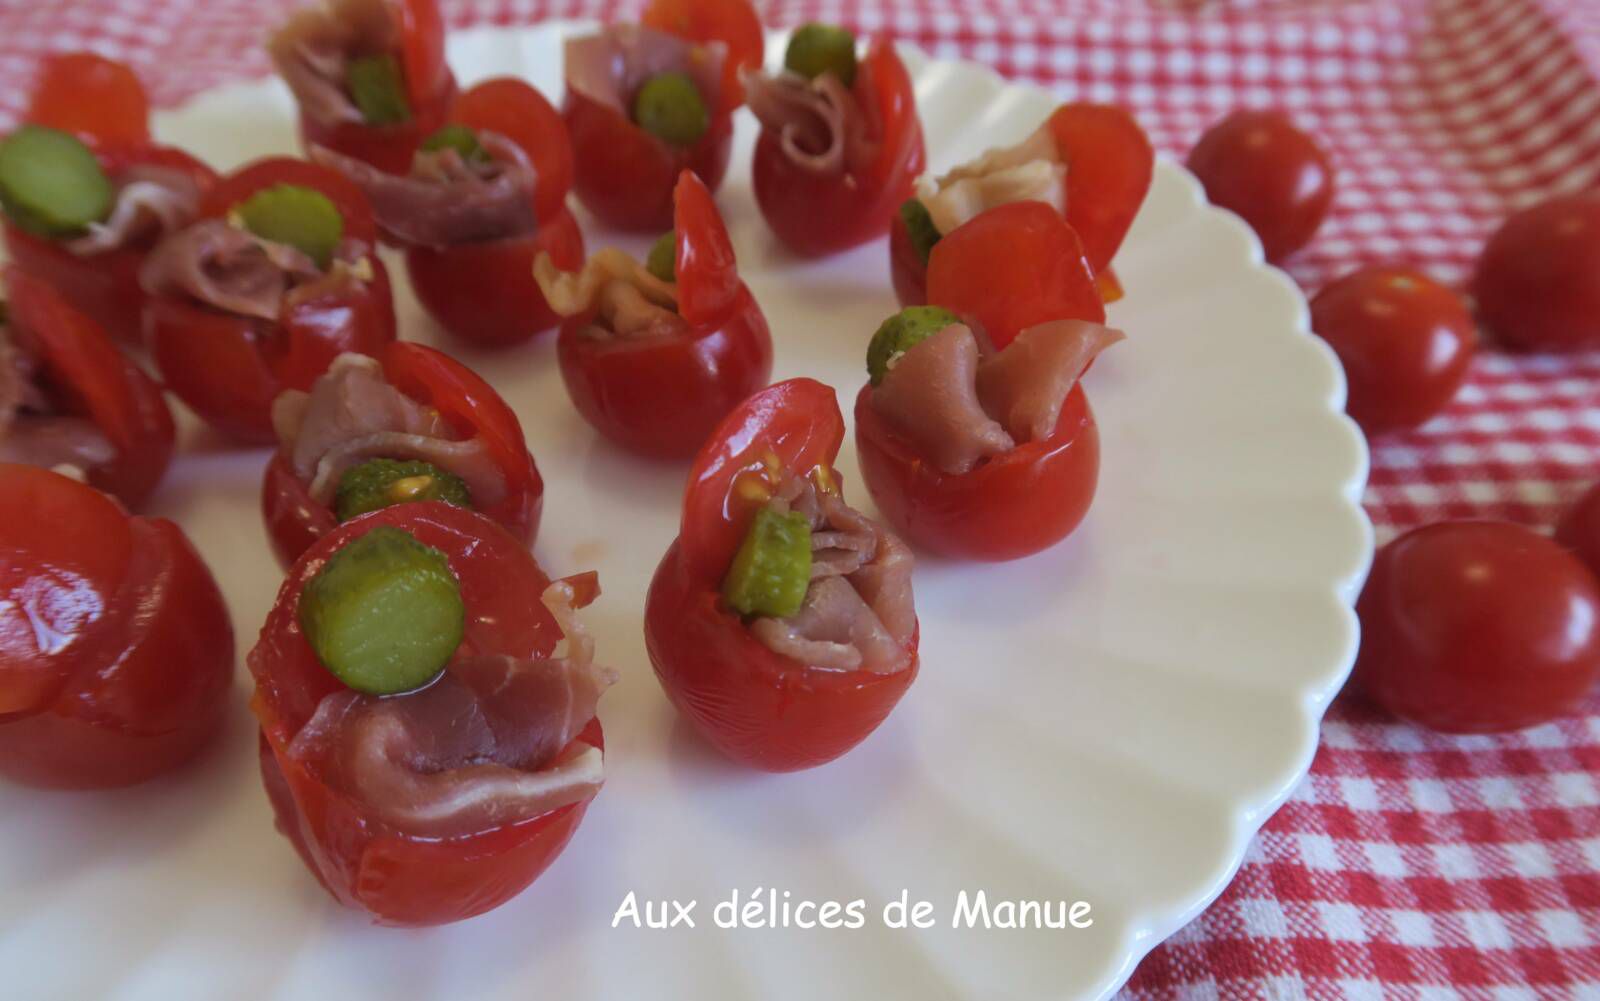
[(1409, 865)]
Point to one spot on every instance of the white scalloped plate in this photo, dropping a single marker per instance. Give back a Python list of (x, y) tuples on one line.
[(1110, 721)]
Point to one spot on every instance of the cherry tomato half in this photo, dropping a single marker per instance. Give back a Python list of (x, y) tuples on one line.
[(116, 651), (1538, 280), (732, 22), (1478, 626), (95, 97), (1405, 342), (1275, 176)]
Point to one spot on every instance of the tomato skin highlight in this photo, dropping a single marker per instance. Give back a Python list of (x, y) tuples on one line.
[(363, 862), (1405, 341), (1011, 506), (90, 95), (732, 22), (1478, 627), (1259, 165), (1537, 282), (143, 687)]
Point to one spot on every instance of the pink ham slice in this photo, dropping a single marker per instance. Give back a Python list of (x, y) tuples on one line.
[(488, 743), (31, 432), (314, 45), (1029, 171), (818, 122), (223, 266), (610, 67), (628, 301), (446, 201), (352, 414), (151, 202), (930, 397), (1025, 385)]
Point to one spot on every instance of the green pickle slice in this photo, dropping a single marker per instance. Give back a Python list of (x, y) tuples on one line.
[(815, 49), (381, 483), (50, 183), (902, 332), (663, 259), (919, 225), (459, 138), (771, 572), (378, 89), (669, 107), (304, 218), (384, 615)]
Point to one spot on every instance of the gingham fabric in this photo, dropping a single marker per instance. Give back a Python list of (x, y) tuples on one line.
[(1409, 865)]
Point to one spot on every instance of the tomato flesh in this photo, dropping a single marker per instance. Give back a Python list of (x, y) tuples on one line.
[(1259, 165), (1537, 282), (90, 95)]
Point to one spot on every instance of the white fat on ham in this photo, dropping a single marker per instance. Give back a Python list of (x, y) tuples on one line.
[(314, 46), (1029, 171), (353, 414), (32, 432), (609, 67), (626, 299), (819, 124), (150, 203), (492, 741)]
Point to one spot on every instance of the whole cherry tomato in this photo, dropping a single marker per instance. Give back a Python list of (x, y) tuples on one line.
[(1275, 176), (1538, 281), (1405, 342), (365, 862), (732, 22), (295, 520), (87, 376), (660, 395), (90, 95), (1579, 529), (1012, 267), (1478, 626), (816, 214), (116, 651)]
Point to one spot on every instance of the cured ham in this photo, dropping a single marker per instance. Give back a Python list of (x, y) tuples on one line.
[(353, 414), (489, 742), (1031, 170), (447, 200), (151, 202), (313, 48), (31, 431), (609, 67), (224, 266), (627, 300), (1025, 385), (820, 125)]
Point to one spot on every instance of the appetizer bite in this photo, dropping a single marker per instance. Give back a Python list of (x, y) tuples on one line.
[(116, 651), (840, 141), (486, 195), (426, 750), (277, 279), (654, 355), (411, 425), (1090, 162), (369, 76), (781, 621), (84, 192), (71, 401)]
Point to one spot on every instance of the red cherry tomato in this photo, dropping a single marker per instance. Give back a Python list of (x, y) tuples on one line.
[(1011, 506), (1109, 166), (399, 878), (662, 395), (1579, 529), (90, 95), (1538, 281), (87, 376), (819, 214), (1405, 342), (758, 707), (472, 408), (1012, 267), (1259, 165), (732, 22), (116, 651), (1478, 626), (104, 285)]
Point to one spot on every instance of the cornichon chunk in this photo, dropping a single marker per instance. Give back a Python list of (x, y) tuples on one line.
[(669, 107), (663, 259), (771, 572), (381, 483), (902, 332), (378, 89), (303, 218), (50, 183), (919, 226), (459, 138), (815, 49)]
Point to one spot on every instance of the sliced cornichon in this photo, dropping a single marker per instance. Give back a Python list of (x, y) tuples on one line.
[(378, 89), (902, 332), (815, 49), (669, 107), (50, 183), (459, 138), (771, 572), (303, 218), (919, 226), (384, 615), (381, 483), (663, 259)]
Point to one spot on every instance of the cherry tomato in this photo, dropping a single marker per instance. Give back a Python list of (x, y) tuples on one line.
[(1012, 267), (472, 408), (1013, 505), (1259, 165), (1405, 342), (1579, 529), (818, 214), (732, 22), (116, 651), (90, 95), (1478, 626), (398, 878), (1109, 165), (87, 376), (661, 395), (1538, 281), (104, 285), (756, 706)]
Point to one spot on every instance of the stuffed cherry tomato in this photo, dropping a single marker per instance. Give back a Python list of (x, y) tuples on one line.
[(1091, 162), (92, 96), (975, 453), (734, 23), (485, 197), (424, 749), (116, 651), (1537, 282), (840, 144), (277, 279), (655, 355), (85, 219), (411, 425), (69, 398), (643, 106), (369, 76), (1274, 175), (781, 621)]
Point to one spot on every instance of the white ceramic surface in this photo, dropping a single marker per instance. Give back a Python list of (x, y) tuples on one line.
[(1110, 721)]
